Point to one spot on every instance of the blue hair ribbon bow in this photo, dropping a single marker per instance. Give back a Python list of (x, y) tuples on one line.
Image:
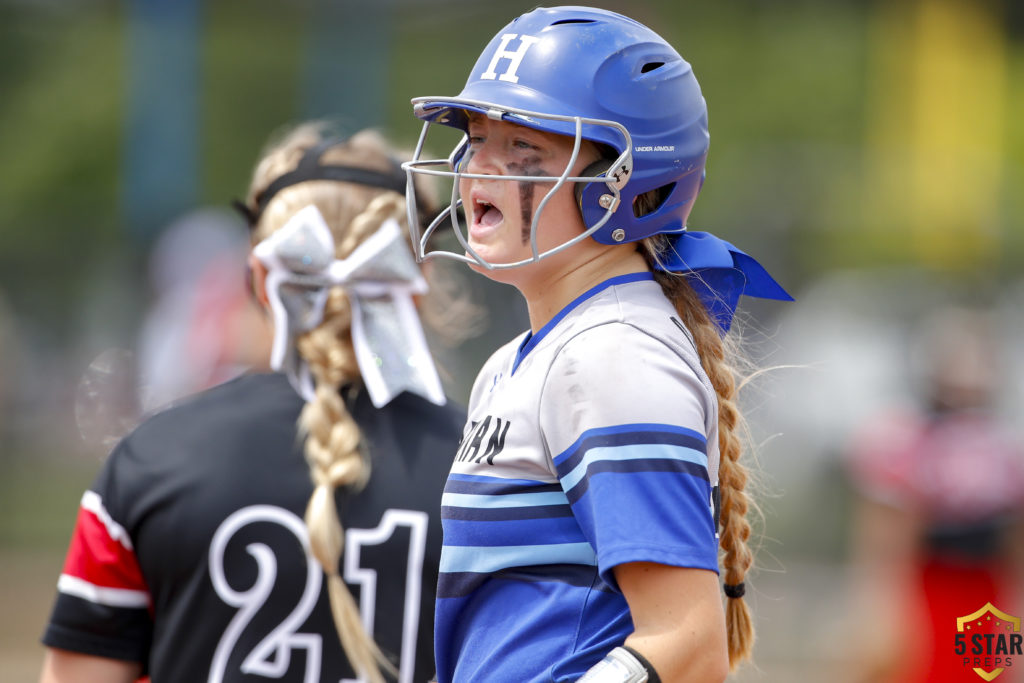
[(719, 273)]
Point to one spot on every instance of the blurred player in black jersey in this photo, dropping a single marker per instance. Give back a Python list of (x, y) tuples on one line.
[(193, 555)]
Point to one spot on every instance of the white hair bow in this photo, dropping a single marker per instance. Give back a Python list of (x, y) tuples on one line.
[(380, 278)]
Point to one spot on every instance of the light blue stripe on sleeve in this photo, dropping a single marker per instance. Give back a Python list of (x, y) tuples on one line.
[(514, 532), (634, 452), (508, 500), (484, 560), (483, 479)]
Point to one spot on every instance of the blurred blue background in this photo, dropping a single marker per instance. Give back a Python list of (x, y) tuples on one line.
[(871, 154)]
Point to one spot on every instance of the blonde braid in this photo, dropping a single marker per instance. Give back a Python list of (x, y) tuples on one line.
[(332, 437), (333, 444), (716, 357)]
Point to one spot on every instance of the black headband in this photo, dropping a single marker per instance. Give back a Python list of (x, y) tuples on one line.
[(309, 168)]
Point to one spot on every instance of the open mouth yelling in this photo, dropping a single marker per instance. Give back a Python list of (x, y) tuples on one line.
[(486, 217)]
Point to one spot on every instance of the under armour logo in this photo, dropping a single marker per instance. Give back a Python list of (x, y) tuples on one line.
[(514, 57)]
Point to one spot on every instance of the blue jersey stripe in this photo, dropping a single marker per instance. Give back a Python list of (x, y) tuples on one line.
[(635, 452), (516, 532), (633, 466), (484, 479), (510, 500), (461, 584), (499, 488), (582, 576), (504, 514), (488, 559), (625, 435)]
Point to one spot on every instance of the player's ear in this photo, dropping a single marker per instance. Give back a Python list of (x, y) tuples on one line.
[(258, 279)]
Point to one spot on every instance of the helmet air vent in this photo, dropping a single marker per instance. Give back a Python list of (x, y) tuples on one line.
[(652, 200), (651, 66), (572, 21)]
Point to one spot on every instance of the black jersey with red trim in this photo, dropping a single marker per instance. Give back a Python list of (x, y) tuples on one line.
[(190, 554)]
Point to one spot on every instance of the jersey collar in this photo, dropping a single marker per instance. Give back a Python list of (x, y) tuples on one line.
[(532, 340)]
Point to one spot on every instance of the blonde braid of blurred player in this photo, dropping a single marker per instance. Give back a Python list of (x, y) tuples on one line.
[(332, 444), (717, 357)]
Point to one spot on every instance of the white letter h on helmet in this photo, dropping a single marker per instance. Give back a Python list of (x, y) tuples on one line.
[(515, 58)]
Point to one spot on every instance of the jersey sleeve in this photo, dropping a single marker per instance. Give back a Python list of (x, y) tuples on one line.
[(624, 418), (103, 604)]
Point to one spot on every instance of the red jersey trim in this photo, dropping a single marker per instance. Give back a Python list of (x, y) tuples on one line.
[(101, 566)]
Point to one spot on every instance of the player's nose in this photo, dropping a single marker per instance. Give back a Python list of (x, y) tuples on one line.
[(482, 158)]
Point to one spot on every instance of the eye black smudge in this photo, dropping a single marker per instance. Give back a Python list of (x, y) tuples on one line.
[(529, 167)]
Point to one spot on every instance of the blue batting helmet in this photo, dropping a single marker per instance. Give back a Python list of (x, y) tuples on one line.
[(598, 76)]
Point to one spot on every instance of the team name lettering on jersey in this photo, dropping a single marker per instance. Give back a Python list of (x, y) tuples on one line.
[(515, 57), (485, 440)]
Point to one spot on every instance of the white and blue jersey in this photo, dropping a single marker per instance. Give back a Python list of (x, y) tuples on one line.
[(590, 444)]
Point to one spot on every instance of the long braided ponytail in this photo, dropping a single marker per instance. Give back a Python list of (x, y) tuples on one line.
[(717, 359), (333, 441)]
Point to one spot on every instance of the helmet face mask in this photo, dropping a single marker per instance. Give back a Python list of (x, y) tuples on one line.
[(590, 75), (611, 181)]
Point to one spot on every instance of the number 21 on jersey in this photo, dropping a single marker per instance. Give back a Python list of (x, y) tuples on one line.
[(271, 656)]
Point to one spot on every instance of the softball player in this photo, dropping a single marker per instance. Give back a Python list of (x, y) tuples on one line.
[(193, 554), (600, 467)]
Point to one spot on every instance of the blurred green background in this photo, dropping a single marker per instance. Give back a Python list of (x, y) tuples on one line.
[(870, 154)]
